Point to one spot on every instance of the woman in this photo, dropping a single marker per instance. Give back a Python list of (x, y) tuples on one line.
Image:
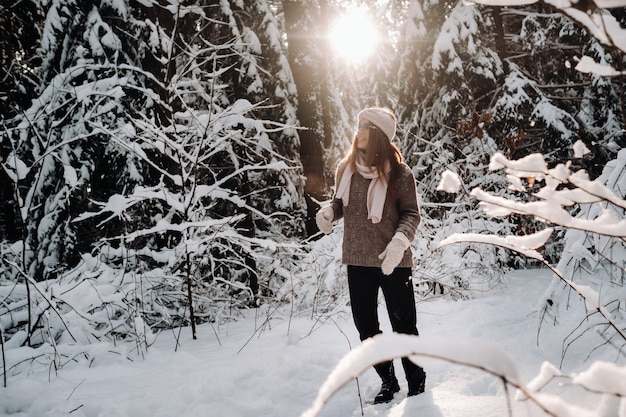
[(377, 198)]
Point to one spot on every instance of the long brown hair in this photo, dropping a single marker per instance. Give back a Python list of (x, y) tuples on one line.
[(380, 149)]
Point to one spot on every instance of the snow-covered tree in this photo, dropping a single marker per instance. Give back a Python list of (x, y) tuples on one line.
[(546, 104), (447, 72), (55, 140), (164, 169), (575, 109), (593, 259)]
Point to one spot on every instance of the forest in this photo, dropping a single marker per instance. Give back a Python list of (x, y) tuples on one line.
[(163, 161)]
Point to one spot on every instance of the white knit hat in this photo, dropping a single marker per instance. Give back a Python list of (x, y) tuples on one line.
[(381, 118)]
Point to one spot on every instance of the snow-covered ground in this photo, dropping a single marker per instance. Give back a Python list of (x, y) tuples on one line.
[(254, 368)]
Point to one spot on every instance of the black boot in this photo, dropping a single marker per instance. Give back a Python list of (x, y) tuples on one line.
[(390, 383), (417, 382)]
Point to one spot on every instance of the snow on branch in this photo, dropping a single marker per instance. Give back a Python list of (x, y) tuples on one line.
[(471, 353), (526, 245), (553, 196), (484, 356), (589, 66), (603, 377)]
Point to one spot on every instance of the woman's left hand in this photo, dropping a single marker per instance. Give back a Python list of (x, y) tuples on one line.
[(393, 253)]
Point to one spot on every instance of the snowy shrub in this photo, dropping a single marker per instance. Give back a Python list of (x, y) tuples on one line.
[(461, 270), (591, 269), (590, 255), (594, 259), (456, 271), (149, 196), (321, 278)]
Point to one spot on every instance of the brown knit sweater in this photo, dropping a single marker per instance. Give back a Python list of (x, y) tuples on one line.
[(363, 240)]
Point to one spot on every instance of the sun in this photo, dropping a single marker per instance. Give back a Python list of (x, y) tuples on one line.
[(353, 36)]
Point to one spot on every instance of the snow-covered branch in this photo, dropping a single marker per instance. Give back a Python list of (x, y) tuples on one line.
[(470, 353), (562, 189)]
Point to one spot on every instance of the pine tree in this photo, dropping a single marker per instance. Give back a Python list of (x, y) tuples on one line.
[(546, 104), (528, 113), (54, 141), (447, 72), (271, 85), (600, 117), (162, 164)]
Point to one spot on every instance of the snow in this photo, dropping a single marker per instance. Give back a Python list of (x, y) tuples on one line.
[(526, 245), (414, 25), (272, 364), (580, 149), (615, 383), (387, 347), (450, 182), (588, 65), (15, 168), (550, 207), (527, 166)]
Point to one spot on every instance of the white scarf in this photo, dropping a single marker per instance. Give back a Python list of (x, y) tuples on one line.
[(376, 193)]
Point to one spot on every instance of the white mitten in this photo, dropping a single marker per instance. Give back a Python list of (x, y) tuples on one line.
[(324, 219), (394, 252)]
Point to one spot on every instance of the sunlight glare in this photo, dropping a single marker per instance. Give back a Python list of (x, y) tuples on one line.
[(354, 36)]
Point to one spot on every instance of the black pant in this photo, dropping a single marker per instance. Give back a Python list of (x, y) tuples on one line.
[(364, 283)]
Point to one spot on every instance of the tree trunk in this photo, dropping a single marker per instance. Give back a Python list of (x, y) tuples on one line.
[(304, 59), (499, 30), (302, 55), (324, 93)]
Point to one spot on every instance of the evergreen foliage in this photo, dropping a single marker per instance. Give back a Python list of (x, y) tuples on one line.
[(154, 166), (445, 128)]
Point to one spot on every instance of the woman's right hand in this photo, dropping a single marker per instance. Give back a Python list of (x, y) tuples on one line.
[(324, 219)]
